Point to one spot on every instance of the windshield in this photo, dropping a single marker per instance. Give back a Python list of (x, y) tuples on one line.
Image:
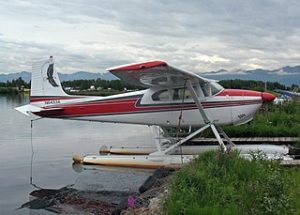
[(216, 88), (212, 88)]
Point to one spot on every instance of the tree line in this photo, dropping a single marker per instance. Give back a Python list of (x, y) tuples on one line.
[(119, 85), (255, 85), (15, 83), (98, 83)]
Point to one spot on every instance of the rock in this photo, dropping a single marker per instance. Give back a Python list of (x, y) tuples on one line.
[(156, 205), (162, 172), (121, 206), (139, 211), (147, 184), (159, 173)]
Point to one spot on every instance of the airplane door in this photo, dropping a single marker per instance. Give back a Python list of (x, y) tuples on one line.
[(157, 103)]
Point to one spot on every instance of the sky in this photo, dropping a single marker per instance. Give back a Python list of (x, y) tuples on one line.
[(195, 35)]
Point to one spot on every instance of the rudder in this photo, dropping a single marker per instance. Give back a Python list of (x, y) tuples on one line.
[(45, 80)]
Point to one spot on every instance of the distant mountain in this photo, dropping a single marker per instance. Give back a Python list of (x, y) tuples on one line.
[(26, 76), (286, 75)]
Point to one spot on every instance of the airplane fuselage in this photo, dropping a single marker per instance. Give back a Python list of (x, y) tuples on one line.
[(149, 107)]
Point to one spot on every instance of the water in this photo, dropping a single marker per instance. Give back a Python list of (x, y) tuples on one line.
[(54, 143)]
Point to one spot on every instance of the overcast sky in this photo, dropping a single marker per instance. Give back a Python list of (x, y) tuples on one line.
[(197, 35)]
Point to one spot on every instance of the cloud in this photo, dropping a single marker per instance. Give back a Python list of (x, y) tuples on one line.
[(209, 59), (199, 36)]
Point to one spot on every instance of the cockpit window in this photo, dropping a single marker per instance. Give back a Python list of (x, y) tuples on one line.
[(212, 88), (162, 95), (181, 93), (216, 88), (174, 94)]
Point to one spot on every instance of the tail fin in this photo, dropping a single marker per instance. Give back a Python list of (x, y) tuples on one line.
[(45, 87), (44, 80)]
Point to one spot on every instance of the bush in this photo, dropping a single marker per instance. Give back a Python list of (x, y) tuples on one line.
[(279, 121), (218, 183)]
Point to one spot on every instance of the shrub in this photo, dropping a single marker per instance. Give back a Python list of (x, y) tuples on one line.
[(218, 183), (279, 121)]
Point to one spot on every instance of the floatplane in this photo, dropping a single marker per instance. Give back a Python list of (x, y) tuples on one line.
[(288, 94), (172, 98)]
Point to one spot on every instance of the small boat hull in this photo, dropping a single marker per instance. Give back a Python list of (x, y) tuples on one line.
[(135, 161)]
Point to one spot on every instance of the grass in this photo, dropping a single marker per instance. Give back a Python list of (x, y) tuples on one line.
[(270, 121), (278, 121), (217, 183)]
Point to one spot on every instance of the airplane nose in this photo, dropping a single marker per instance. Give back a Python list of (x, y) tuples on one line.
[(267, 97)]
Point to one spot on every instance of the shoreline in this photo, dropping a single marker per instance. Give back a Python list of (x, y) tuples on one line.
[(151, 194)]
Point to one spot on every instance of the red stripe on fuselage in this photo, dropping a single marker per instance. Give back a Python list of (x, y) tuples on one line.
[(132, 106)]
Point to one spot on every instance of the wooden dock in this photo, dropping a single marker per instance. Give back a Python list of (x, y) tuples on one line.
[(290, 163)]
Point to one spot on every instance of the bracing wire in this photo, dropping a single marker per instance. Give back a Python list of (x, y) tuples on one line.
[(179, 121), (32, 152)]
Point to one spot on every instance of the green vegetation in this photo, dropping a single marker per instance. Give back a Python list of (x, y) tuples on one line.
[(271, 121), (102, 92), (116, 85), (14, 86), (8, 90), (282, 120), (254, 85), (218, 183), (100, 87)]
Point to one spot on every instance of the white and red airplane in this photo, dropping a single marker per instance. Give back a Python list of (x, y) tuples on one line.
[(172, 95)]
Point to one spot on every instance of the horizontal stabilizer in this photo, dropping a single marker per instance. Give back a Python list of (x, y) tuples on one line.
[(28, 109)]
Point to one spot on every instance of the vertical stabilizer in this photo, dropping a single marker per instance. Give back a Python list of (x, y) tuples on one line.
[(45, 80)]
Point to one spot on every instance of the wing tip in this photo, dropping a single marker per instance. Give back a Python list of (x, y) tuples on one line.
[(137, 66)]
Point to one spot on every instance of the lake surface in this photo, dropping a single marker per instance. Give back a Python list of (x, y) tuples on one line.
[(54, 143)]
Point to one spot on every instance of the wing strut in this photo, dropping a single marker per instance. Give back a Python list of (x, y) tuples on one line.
[(198, 103), (218, 131)]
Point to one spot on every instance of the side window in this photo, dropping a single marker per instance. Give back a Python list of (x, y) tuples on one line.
[(162, 95), (180, 93)]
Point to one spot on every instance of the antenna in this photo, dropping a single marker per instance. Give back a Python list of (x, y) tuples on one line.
[(265, 90)]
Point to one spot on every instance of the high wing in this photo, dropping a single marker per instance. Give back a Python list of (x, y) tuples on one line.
[(156, 74)]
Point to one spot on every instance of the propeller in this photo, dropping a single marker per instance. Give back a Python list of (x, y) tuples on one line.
[(267, 98)]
